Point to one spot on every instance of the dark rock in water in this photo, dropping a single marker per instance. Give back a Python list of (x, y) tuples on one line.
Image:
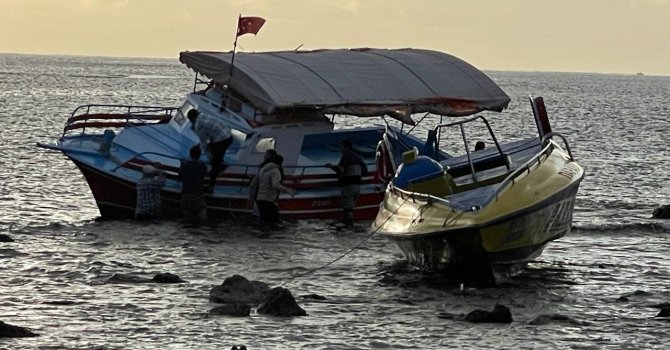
[(164, 277), (637, 293), (313, 297), (11, 331), (126, 278), (238, 347), (450, 316), (237, 289), (239, 310), (167, 277), (662, 212), (280, 302), (500, 314), (550, 318), (665, 312), (5, 238)]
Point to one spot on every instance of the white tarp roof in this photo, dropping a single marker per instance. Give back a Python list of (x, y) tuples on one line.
[(362, 82)]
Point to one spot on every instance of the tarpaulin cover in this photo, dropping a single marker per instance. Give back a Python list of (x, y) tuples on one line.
[(361, 82)]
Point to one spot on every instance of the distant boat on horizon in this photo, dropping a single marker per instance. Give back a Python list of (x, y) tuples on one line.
[(640, 73)]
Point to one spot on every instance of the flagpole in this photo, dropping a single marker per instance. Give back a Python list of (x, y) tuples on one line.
[(232, 63), (250, 25), (232, 60)]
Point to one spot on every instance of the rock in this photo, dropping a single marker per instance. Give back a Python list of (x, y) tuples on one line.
[(238, 293), (450, 316), (665, 312), (164, 277), (280, 302), (635, 294), (167, 277), (11, 331), (500, 314), (126, 278), (662, 212), (237, 289), (5, 238), (238, 347), (313, 297), (239, 310)]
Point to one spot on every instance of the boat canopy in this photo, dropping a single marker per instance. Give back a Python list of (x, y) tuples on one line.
[(360, 82)]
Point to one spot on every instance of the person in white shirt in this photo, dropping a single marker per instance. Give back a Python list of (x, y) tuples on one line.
[(215, 136), (265, 187)]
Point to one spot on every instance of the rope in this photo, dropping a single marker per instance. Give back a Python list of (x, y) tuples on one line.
[(352, 249)]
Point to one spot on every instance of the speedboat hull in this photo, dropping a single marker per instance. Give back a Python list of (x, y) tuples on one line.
[(528, 209)]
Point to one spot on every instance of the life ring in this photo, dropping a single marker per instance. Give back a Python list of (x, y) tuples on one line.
[(384, 163)]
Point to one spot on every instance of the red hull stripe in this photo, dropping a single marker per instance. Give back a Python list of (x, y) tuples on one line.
[(239, 179), (116, 199)]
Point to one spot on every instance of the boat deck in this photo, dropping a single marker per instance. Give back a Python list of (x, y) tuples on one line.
[(492, 172)]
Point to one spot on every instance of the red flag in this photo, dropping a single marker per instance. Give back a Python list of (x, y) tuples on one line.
[(249, 25)]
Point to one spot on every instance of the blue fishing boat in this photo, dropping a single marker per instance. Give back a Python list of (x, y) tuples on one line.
[(300, 103)]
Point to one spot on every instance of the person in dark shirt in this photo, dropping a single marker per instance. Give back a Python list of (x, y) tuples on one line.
[(350, 171), (192, 174)]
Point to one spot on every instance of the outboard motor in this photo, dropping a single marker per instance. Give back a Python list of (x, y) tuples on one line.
[(423, 175)]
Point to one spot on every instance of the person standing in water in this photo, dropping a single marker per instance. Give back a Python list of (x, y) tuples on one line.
[(350, 171), (148, 203), (192, 174), (266, 185)]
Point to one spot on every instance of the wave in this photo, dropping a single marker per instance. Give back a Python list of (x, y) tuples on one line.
[(84, 76), (151, 76), (97, 76)]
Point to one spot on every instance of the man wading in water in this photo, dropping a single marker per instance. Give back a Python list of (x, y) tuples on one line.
[(350, 171)]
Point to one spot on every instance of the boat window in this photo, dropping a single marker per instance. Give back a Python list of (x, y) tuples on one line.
[(265, 144), (180, 116)]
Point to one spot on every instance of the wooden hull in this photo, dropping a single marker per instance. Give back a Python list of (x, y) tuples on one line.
[(116, 199)]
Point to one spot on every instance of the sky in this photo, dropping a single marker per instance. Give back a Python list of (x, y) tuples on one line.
[(601, 36)]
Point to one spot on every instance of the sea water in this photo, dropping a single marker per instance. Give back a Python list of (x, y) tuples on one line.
[(71, 278)]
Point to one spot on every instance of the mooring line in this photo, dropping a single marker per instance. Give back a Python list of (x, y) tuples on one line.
[(350, 250)]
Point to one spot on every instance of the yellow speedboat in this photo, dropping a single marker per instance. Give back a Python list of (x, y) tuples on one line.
[(485, 212)]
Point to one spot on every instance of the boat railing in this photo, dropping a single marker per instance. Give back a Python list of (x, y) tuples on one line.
[(415, 197), (460, 124), (123, 164), (299, 178), (526, 167), (549, 136), (108, 116)]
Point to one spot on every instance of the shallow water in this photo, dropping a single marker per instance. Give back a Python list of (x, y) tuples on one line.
[(74, 281)]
